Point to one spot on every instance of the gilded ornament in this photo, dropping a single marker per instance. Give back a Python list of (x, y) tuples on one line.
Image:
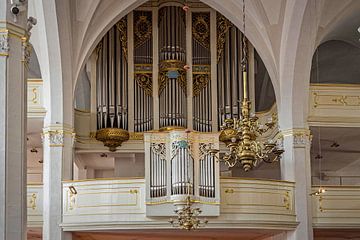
[(142, 30), (223, 26), (112, 137), (201, 29), (172, 66), (200, 81), (144, 80), (122, 28)]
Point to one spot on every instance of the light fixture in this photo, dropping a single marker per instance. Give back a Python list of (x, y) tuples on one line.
[(242, 136), (187, 215)]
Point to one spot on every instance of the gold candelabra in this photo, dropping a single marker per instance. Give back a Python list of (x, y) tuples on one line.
[(187, 217), (241, 136)]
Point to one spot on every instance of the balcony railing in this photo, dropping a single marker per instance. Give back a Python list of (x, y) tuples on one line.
[(337, 207)]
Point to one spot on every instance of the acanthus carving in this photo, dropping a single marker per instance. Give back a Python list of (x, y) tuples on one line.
[(56, 138), (144, 80), (142, 30), (200, 82), (201, 29), (222, 27), (122, 28)]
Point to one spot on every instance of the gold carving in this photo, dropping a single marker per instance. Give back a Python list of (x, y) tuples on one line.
[(142, 30), (144, 80), (172, 65), (200, 81), (222, 27), (112, 137), (201, 29), (336, 100), (122, 27), (32, 201), (133, 191), (136, 136), (287, 200), (34, 98), (229, 190)]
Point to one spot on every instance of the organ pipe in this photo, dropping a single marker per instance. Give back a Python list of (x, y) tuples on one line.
[(201, 72), (229, 75), (143, 60), (172, 75), (112, 101)]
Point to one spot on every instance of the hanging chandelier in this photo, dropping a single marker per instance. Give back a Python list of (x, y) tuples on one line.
[(242, 136), (187, 217)]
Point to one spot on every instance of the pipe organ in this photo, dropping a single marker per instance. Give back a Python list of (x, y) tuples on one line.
[(112, 97), (229, 74), (201, 65), (168, 97), (178, 165), (172, 59), (143, 61)]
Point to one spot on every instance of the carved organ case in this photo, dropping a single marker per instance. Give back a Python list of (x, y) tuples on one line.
[(161, 67), (177, 165)]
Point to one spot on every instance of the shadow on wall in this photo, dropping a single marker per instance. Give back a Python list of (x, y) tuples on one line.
[(338, 62)]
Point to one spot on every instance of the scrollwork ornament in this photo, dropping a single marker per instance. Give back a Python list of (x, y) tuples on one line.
[(201, 30), (144, 80), (4, 44), (122, 27), (26, 51), (223, 26), (200, 82), (142, 30)]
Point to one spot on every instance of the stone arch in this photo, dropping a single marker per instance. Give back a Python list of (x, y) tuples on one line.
[(101, 23)]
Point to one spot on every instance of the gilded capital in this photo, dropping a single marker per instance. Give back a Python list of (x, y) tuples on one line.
[(4, 44), (301, 137)]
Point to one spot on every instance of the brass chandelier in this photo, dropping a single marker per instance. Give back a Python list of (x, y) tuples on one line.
[(241, 136), (187, 217)]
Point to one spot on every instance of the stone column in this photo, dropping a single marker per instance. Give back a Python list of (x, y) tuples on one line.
[(58, 154), (13, 102), (295, 166)]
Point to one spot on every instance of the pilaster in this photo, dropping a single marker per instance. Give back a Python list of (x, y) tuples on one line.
[(58, 143), (13, 93), (295, 166)]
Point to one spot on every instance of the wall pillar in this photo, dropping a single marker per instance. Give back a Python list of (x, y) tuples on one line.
[(14, 57), (295, 166), (58, 154)]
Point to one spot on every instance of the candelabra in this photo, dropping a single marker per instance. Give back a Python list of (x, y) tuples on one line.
[(187, 217), (242, 136)]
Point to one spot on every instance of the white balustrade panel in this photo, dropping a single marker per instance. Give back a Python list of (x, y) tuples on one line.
[(103, 202), (338, 207), (267, 202), (334, 105), (34, 205), (35, 100)]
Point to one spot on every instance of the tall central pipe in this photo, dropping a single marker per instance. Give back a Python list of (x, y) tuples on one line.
[(172, 75)]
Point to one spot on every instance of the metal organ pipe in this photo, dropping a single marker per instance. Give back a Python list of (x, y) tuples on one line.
[(143, 112), (229, 75), (111, 79), (201, 72), (172, 77)]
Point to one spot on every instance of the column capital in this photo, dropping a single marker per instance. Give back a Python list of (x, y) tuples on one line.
[(55, 134), (301, 136)]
